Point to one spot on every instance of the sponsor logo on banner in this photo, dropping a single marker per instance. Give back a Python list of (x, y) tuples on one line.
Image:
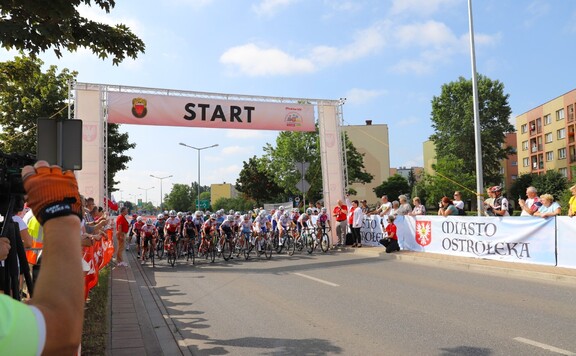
[(139, 109), (293, 118), (423, 233), (89, 132)]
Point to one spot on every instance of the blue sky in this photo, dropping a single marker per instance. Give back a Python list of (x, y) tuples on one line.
[(387, 57)]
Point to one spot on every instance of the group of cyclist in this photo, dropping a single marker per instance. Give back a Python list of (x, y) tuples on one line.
[(172, 226)]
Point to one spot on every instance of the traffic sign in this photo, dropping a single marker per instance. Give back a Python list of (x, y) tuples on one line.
[(297, 199), (204, 204), (303, 186), (302, 167)]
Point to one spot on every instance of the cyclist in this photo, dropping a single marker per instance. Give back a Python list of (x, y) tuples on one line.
[(137, 227), (237, 221), (226, 230), (171, 228), (182, 219), (159, 224), (131, 231), (295, 215), (198, 220), (245, 227), (322, 221), (208, 229), (189, 231), (284, 223), (148, 234), (261, 226)]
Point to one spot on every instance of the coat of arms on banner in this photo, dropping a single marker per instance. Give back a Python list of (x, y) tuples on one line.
[(423, 232), (330, 140), (89, 132), (139, 109)]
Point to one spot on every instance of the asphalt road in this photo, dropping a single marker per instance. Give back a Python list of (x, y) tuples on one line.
[(353, 304)]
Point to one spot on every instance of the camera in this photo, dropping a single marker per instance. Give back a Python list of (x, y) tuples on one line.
[(11, 185)]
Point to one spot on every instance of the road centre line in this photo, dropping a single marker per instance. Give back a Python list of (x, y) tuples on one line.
[(317, 280), (544, 346)]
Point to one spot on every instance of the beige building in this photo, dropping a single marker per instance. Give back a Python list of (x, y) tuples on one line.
[(429, 154), (371, 141), (545, 137), (224, 190)]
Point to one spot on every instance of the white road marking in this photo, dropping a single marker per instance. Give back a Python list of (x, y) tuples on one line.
[(544, 346), (317, 280)]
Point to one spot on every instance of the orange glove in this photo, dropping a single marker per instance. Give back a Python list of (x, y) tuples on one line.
[(51, 193)]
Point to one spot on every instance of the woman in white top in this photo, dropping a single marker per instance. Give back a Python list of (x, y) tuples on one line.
[(549, 207)]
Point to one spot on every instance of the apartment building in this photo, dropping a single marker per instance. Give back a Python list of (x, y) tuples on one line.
[(545, 137)]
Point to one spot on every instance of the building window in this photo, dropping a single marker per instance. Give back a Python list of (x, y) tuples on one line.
[(514, 163), (524, 128), (524, 145), (563, 171), (562, 153), (570, 112), (560, 115), (547, 119), (561, 133), (549, 156), (548, 137), (514, 177), (525, 162)]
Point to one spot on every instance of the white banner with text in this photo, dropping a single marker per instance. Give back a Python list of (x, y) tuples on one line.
[(566, 235)]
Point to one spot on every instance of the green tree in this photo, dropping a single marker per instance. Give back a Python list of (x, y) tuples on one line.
[(449, 176), (180, 198), (551, 182), (453, 123), (518, 188), (36, 26), (256, 183), (26, 94), (393, 187), (236, 204), (292, 147)]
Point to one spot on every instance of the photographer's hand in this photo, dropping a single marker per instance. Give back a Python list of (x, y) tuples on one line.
[(4, 248)]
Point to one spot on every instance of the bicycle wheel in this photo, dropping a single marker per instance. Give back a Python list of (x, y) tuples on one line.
[(290, 245), (160, 248), (171, 256), (212, 252), (179, 248), (275, 239), (226, 250), (246, 249), (325, 243), (268, 248), (310, 243), (151, 255)]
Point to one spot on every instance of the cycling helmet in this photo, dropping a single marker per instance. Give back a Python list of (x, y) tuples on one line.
[(262, 212), (179, 214), (139, 219), (309, 211), (134, 216), (160, 216), (189, 218), (149, 221), (172, 213), (324, 209), (198, 213), (304, 216), (213, 216), (281, 208), (287, 214), (237, 213), (231, 211), (246, 216), (230, 218), (165, 212)]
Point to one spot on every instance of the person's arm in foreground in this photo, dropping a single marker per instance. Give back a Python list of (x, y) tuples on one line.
[(59, 291)]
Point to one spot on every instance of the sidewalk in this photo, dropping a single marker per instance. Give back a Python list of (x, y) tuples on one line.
[(137, 316), (136, 319)]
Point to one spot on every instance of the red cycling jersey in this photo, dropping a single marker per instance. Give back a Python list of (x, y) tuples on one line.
[(172, 224)]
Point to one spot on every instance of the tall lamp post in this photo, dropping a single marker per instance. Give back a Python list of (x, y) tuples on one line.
[(161, 196), (146, 190), (198, 149)]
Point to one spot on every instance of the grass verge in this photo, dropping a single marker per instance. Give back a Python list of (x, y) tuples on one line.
[(95, 330)]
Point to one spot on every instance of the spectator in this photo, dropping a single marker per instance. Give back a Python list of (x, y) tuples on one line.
[(488, 203), (419, 209), (447, 207), (364, 206), (458, 203), (549, 207), (385, 207), (572, 202), (404, 208), (500, 204), (52, 321), (531, 204), (340, 213), (395, 207), (121, 231), (391, 239), (355, 218)]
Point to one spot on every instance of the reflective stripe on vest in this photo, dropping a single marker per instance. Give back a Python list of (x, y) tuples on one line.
[(35, 230)]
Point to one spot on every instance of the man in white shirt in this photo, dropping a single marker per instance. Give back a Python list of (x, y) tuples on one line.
[(457, 201), (531, 204)]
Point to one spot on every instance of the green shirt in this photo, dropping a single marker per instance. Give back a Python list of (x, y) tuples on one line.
[(22, 328)]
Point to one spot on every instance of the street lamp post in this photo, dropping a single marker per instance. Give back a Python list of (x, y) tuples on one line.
[(198, 149), (146, 190), (161, 196)]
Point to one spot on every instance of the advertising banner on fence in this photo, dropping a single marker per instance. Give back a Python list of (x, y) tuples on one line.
[(566, 230), (511, 239), (148, 109)]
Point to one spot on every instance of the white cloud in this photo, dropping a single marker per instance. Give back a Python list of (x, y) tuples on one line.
[(271, 7), (255, 61), (236, 150), (409, 121), (427, 34), (357, 96), (98, 15), (414, 162), (421, 66), (420, 7)]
